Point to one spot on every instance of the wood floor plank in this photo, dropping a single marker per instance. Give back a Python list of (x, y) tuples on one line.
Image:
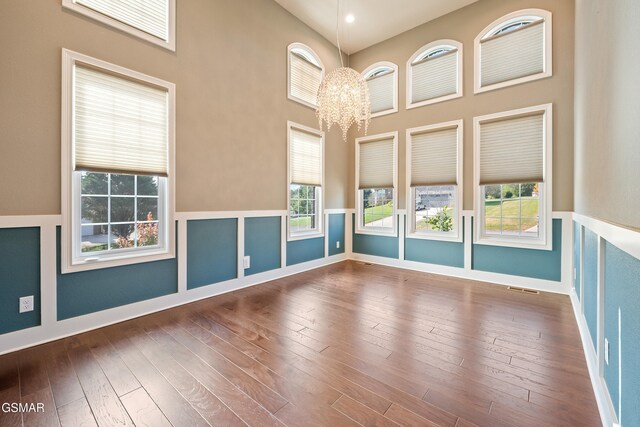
[(143, 410), (361, 413), (10, 418), (62, 377), (48, 417), (76, 414)]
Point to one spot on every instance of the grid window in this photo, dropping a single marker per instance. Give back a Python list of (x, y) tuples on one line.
[(118, 211), (435, 209), (512, 209), (305, 73), (377, 208), (303, 208)]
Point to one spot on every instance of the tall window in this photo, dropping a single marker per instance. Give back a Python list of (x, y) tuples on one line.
[(305, 73), (151, 20), (434, 162), (306, 170), (513, 49), (376, 179), (434, 73), (118, 177), (382, 79), (513, 177)]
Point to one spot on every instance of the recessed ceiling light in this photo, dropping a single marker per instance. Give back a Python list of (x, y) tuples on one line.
[(350, 18)]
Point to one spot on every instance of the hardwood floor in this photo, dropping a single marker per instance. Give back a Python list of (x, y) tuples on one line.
[(347, 344)]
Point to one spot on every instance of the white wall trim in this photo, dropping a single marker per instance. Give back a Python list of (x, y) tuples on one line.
[(24, 221), (623, 238)]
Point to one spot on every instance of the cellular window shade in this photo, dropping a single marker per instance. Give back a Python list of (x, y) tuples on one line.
[(305, 158), (434, 158), (512, 150), (381, 92), (304, 78), (150, 16), (376, 164), (512, 55), (434, 77), (120, 125)]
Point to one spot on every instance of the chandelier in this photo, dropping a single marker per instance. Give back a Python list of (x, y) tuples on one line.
[(343, 96)]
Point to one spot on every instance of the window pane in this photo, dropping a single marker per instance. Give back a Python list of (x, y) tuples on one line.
[(122, 209), (147, 234), (95, 209), (512, 210), (147, 185), (302, 208), (122, 236), (147, 208), (377, 207), (94, 183), (122, 185), (94, 238)]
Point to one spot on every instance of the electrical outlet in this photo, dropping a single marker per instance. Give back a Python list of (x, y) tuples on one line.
[(606, 351), (26, 304), (246, 262), (338, 244)]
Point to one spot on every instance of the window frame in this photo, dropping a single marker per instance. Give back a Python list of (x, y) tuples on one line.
[(426, 49), (457, 235), (319, 191), (394, 67), (71, 256), (169, 43), (311, 52), (545, 224), (377, 231), (501, 22)]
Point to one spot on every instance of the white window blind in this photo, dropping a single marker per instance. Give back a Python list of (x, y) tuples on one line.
[(434, 77), (381, 92), (150, 16), (376, 162), (512, 150), (305, 78), (434, 158), (120, 125), (305, 157), (514, 54)]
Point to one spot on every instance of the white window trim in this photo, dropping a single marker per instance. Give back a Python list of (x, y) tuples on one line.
[(432, 46), (514, 16), (545, 241), (315, 56), (320, 211), (457, 235), (169, 44), (395, 85), (377, 231), (70, 262)]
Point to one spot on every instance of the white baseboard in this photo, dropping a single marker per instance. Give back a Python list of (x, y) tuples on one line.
[(60, 329), (603, 399)]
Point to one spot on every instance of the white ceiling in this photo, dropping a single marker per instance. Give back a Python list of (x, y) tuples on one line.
[(376, 20)]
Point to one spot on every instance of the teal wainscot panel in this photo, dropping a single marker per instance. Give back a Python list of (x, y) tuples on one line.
[(95, 290), (576, 257), (622, 330), (212, 251), (262, 244), (534, 263), (590, 283), (305, 250), (19, 277), (336, 234), (435, 251), (367, 244)]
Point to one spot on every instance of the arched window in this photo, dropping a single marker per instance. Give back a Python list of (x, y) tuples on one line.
[(305, 73), (513, 49), (434, 73), (382, 79)]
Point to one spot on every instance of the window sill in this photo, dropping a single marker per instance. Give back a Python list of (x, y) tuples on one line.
[(301, 101), (433, 101), (378, 232), (304, 236), (454, 238), (117, 261), (513, 243), (514, 82), (384, 113)]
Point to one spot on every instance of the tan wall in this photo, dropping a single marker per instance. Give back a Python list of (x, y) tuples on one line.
[(607, 112), (232, 106), (464, 25)]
